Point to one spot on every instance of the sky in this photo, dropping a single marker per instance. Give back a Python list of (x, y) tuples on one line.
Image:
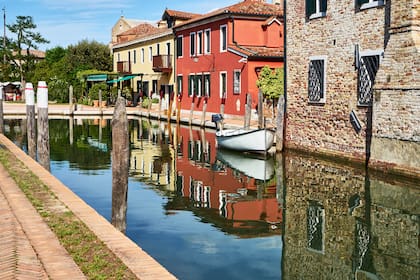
[(67, 22)]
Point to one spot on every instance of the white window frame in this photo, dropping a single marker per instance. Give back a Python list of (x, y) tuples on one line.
[(372, 4), (193, 47), (221, 85), (207, 41), (206, 87), (223, 38), (199, 79), (235, 72), (179, 83), (318, 13), (324, 93), (199, 41), (191, 81), (150, 53)]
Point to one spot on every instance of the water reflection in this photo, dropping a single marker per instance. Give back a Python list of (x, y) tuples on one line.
[(221, 215), (357, 226)]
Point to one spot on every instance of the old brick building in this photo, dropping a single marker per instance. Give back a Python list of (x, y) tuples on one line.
[(335, 51)]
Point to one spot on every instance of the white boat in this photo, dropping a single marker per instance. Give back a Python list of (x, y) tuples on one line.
[(246, 140), (260, 168)]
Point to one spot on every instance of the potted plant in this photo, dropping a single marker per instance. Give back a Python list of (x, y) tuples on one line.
[(94, 93)]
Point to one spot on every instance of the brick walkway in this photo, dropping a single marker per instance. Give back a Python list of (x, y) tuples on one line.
[(30, 250)]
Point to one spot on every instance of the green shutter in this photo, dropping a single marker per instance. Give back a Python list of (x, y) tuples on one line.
[(324, 6), (310, 7)]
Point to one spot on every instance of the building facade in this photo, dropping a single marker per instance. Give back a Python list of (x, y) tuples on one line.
[(335, 51), (217, 61)]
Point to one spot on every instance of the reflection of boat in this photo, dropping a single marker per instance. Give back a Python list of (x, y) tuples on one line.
[(258, 168), (256, 140)]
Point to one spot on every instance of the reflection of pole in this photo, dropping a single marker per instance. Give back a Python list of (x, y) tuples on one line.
[(30, 119), (203, 116), (43, 144), (120, 165), (1, 111), (71, 133)]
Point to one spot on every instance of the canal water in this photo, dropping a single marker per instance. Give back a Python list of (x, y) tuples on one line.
[(204, 213)]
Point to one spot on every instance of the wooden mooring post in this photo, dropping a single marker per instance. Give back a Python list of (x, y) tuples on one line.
[(71, 105), (248, 110), (1, 111), (120, 165), (43, 143), (30, 119)]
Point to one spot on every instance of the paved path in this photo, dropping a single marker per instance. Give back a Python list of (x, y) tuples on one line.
[(30, 250)]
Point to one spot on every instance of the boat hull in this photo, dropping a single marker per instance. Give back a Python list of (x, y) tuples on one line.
[(259, 140)]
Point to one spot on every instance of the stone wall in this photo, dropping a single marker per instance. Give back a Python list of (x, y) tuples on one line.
[(326, 127), (396, 108)]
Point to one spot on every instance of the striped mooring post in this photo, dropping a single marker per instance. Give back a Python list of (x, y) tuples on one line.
[(43, 143), (30, 119)]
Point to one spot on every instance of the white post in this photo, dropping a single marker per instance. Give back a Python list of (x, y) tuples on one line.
[(30, 119), (43, 144)]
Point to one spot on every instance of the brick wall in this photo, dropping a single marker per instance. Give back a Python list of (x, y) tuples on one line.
[(396, 108), (326, 127)]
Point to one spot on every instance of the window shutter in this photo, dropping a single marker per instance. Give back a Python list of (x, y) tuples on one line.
[(324, 5), (189, 85), (361, 2), (310, 7)]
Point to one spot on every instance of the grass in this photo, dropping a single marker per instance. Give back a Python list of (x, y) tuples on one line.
[(93, 257)]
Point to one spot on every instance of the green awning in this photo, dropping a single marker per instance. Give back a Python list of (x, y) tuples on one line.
[(124, 78), (96, 78)]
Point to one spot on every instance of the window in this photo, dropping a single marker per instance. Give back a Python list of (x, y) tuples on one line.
[(157, 49), (368, 66), (134, 56), (207, 85), (366, 4), (142, 55), (316, 8), (236, 82), (150, 54), (223, 38), (192, 44), (200, 42), (119, 57), (191, 85), (199, 84), (179, 85), (315, 226), (223, 84), (317, 80), (168, 48), (207, 48), (179, 46)]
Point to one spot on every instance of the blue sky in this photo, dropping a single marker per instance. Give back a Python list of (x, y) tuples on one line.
[(66, 22)]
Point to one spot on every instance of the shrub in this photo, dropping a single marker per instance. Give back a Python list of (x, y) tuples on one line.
[(94, 91)]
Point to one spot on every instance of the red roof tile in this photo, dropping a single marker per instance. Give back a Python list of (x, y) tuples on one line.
[(181, 15), (258, 51)]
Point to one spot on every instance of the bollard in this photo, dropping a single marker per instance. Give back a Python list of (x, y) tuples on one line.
[(43, 143), (30, 119), (1, 111), (120, 165), (71, 105)]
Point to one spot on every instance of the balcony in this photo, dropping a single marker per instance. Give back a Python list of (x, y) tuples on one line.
[(124, 67), (162, 63)]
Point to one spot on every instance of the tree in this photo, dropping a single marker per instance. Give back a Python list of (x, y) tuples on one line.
[(89, 55), (26, 39), (271, 82)]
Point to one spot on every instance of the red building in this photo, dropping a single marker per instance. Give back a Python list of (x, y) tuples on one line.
[(219, 55)]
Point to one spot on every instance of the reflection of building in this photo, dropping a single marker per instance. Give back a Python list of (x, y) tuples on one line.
[(346, 226), (151, 159), (230, 197)]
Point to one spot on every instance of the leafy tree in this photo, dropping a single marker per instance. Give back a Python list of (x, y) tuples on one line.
[(26, 39), (271, 82), (89, 55)]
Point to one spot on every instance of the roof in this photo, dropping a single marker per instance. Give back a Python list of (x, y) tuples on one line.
[(139, 29), (180, 14), (246, 8), (142, 35), (35, 53), (257, 51)]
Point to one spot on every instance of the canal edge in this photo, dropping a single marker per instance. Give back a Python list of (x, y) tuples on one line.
[(135, 258)]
